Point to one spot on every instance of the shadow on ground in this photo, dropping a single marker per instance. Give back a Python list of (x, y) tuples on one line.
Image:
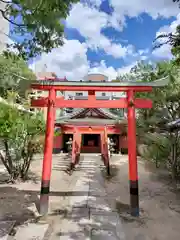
[(17, 206), (33, 177)]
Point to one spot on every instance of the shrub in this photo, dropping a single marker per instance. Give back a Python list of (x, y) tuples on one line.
[(19, 133)]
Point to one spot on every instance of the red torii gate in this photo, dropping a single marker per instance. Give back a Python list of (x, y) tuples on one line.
[(130, 102)]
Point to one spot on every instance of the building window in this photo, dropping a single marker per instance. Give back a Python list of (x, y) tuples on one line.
[(79, 94)]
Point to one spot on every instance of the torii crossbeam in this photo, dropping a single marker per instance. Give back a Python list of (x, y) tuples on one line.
[(130, 102)]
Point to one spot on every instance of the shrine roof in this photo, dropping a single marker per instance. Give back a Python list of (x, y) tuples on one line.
[(158, 83), (92, 121), (71, 118)]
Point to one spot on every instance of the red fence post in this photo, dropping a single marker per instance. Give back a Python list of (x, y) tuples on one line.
[(133, 172), (79, 140), (104, 150), (48, 148)]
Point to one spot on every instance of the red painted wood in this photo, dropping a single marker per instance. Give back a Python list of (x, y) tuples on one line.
[(89, 149), (69, 129), (133, 172), (76, 148), (91, 96), (123, 142), (102, 141), (79, 139), (121, 103), (142, 103), (48, 148), (41, 102), (58, 141), (73, 160), (106, 147), (93, 88)]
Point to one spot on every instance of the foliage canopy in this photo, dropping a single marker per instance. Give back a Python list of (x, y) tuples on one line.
[(19, 136), (14, 75), (38, 22)]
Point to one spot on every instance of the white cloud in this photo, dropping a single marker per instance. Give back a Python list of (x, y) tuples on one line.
[(134, 8), (96, 3), (89, 22), (169, 28), (71, 61), (113, 49), (165, 50)]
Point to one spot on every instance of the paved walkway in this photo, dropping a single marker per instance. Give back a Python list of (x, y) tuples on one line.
[(88, 216)]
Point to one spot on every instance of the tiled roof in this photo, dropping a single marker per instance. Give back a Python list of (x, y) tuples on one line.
[(92, 121), (157, 83), (80, 110)]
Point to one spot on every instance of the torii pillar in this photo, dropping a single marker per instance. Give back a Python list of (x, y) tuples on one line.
[(132, 153), (48, 149)]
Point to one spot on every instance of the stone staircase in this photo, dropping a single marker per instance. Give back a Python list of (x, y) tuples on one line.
[(62, 162)]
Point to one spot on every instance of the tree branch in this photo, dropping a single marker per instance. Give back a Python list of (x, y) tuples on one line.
[(38, 6), (9, 20), (5, 1), (3, 159)]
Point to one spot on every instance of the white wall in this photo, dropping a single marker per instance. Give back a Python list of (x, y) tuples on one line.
[(4, 30), (109, 94)]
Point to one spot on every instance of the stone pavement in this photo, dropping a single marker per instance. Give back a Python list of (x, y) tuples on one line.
[(88, 216)]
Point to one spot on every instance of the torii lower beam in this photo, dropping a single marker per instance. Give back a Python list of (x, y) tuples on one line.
[(91, 103)]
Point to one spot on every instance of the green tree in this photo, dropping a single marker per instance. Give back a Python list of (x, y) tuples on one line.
[(41, 23), (170, 38), (14, 75), (19, 135), (162, 144)]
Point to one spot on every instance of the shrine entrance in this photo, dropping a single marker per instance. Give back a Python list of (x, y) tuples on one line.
[(91, 143), (130, 102)]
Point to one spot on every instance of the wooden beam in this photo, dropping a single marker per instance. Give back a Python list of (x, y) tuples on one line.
[(92, 88), (69, 129), (121, 103)]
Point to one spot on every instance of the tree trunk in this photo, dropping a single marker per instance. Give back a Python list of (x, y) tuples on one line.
[(174, 162), (8, 156)]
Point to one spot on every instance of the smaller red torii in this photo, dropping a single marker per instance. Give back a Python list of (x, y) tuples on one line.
[(130, 102)]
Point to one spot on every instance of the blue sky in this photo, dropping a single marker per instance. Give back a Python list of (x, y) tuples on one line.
[(110, 36)]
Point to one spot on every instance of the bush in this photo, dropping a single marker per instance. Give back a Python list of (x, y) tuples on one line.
[(164, 149), (19, 133)]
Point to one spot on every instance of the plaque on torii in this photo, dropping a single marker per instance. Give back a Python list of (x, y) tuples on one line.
[(129, 102)]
